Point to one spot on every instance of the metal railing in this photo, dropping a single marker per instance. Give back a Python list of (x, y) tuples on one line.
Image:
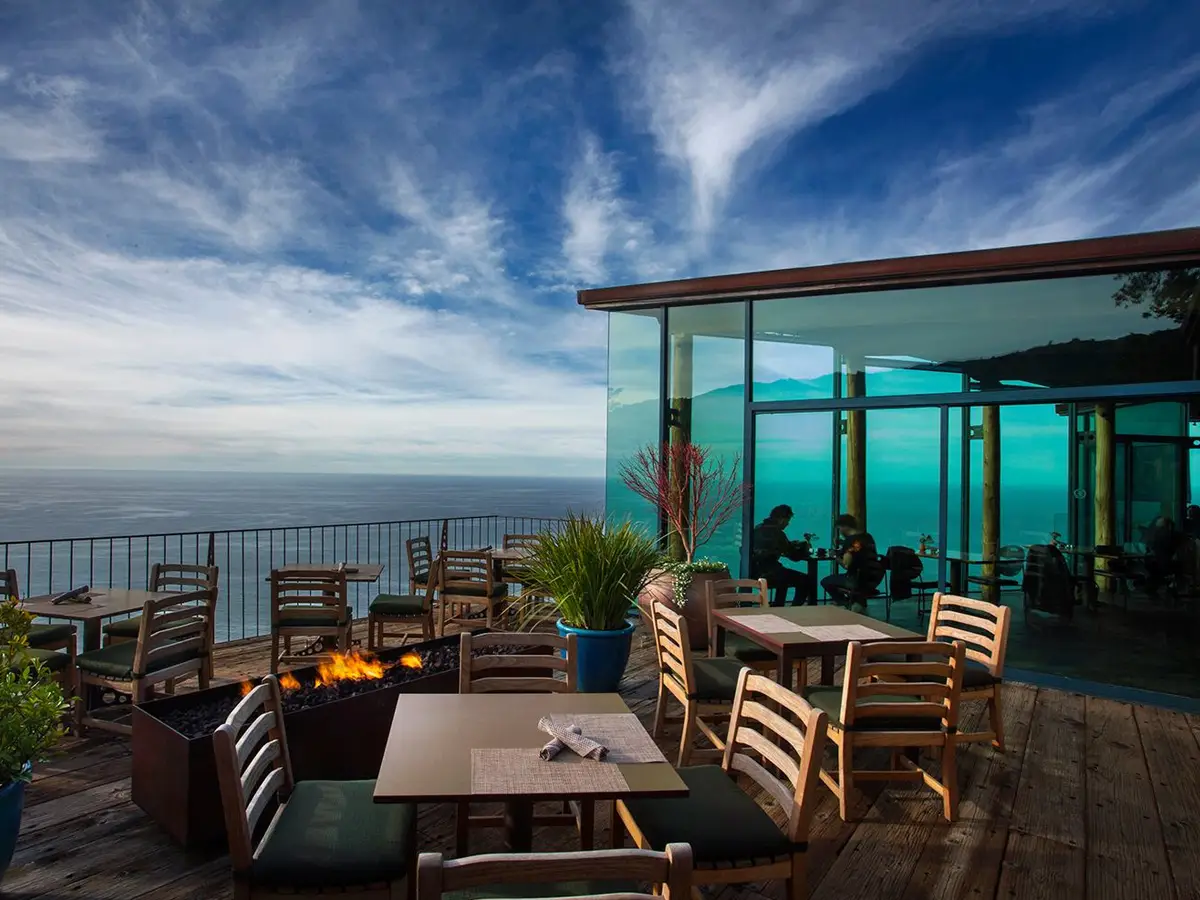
[(247, 556)]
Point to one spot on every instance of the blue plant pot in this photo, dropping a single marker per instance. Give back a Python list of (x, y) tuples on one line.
[(601, 656), (12, 801)]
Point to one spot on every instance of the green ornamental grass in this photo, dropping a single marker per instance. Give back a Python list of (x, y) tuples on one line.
[(592, 570)]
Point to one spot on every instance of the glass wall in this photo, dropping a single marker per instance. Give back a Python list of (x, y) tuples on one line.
[(1065, 332), (634, 404), (706, 397)]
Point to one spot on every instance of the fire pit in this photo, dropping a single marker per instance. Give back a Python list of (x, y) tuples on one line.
[(337, 715)]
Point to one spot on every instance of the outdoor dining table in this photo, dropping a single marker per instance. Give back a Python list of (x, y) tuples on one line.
[(364, 573), (958, 561), (509, 554), (799, 633), (445, 748), (105, 603)]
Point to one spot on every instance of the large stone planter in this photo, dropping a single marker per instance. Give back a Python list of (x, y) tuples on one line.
[(661, 589)]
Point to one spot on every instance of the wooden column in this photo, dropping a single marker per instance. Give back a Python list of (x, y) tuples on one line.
[(1104, 505), (680, 410), (991, 486), (856, 448)]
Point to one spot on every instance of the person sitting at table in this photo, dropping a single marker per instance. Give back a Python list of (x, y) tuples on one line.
[(859, 556), (768, 544)]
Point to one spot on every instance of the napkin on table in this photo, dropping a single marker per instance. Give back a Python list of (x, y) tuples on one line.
[(569, 736)]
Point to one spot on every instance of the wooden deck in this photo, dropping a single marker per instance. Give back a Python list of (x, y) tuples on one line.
[(1093, 799)]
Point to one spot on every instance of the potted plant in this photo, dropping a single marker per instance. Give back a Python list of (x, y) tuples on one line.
[(593, 571), (31, 717), (925, 542), (696, 493)]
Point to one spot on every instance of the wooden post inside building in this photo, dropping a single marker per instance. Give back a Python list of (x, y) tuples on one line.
[(680, 411), (856, 447), (1105, 509), (991, 491)]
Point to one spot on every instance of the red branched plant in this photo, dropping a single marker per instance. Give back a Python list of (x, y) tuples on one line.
[(695, 491)]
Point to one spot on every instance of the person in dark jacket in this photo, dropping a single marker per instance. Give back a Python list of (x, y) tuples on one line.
[(769, 546), (859, 556)]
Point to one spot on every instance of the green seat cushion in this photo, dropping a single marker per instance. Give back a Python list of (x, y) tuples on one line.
[(40, 635), (474, 589), (315, 620), (398, 605), (330, 834), (829, 699), (116, 660), (717, 818), (746, 650), (974, 678), (125, 628), (716, 679), (555, 889), (51, 659)]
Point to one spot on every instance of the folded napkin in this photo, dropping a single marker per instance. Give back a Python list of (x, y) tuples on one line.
[(570, 736), (78, 595)]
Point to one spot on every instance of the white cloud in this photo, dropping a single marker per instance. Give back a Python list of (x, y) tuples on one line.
[(597, 218)]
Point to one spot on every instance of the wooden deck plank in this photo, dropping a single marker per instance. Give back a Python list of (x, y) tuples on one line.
[(963, 860), (1044, 855), (1173, 757), (1125, 852), (66, 809), (105, 770)]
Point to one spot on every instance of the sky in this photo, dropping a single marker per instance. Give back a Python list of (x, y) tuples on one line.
[(346, 237)]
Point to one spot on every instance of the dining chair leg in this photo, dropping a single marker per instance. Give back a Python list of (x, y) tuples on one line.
[(845, 777), (660, 709), (689, 734), (274, 653), (797, 882), (617, 831), (586, 817), (462, 827), (949, 780), (996, 715)]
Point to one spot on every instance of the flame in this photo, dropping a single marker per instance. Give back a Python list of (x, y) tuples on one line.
[(411, 661), (348, 667), (288, 682), (247, 687)]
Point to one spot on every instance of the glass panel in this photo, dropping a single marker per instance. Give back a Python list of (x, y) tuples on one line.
[(634, 378), (707, 396), (1064, 332), (793, 465), (1155, 488), (1167, 419)]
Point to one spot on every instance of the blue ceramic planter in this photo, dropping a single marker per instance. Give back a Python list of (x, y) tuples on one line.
[(602, 656), (12, 800)]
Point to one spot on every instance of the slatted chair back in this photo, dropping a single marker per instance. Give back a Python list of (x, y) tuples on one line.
[(521, 541), (466, 572), (981, 626), (934, 678), (729, 593), (183, 577), (420, 562), (673, 647), (760, 729), (305, 596), (671, 868), (9, 585), (492, 672), (171, 627), (253, 766)]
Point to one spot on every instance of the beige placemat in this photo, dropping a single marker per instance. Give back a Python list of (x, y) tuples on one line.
[(627, 741), (769, 624), (516, 771), (842, 633)]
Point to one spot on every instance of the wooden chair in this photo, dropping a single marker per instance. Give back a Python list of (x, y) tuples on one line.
[(705, 687), (901, 705), (173, 643), (50, 636), (488, 673), (420, 563), (595, 873), (307, 603), (404, 609), (1004, 574), (733, 593), (466, 579), (982, 627), (174, 577), (323, 837), (733, 838)]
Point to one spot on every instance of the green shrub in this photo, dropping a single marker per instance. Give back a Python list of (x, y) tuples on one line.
[(31, 702), (592, 570)]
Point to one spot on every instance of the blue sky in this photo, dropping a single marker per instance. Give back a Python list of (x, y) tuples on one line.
[(346, 237)]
